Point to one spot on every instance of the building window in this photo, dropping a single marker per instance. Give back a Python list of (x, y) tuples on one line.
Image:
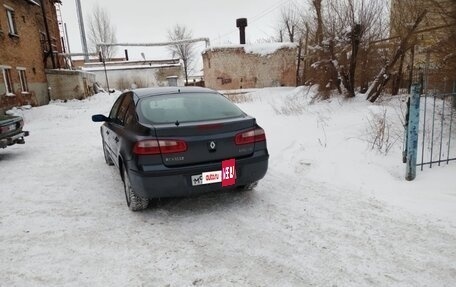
[(43, 42), (10, 16), (23, 79), (7, 80)]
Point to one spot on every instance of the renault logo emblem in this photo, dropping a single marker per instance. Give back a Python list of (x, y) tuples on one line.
[(212, 146)]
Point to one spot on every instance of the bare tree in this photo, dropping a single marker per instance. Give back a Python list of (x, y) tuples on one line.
[(184, 50), (364, 43), (324, 74), (318, 7), (443, 48), (406, 19), (342, 32), (101, 30), (352, 26), (290, 22)]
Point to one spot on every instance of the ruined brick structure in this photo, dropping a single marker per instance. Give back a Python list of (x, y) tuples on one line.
[(250, 66)]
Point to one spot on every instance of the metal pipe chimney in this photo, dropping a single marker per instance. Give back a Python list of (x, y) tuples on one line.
[(241, 23), (85, 50)]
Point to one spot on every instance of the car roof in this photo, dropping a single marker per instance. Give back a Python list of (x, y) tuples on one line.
[(147, 92)]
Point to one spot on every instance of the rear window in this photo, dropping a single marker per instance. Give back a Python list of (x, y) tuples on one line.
[(187, 107)]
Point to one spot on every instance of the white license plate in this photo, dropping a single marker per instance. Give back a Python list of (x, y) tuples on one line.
[(207, 178), (197, 179)]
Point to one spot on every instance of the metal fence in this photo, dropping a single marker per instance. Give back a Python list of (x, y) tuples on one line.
[(437, 130), (430, 130)]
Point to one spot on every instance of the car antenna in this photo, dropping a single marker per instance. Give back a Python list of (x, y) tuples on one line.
[(177, 123)]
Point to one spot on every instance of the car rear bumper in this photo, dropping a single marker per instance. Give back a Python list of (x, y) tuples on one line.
[(10, 140), (177, 181)]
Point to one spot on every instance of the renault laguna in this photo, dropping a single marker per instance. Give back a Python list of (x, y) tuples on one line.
[(174, 142)]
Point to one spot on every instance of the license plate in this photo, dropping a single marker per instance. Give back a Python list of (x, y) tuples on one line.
[(207, 178), (227, 176), (197, 179)]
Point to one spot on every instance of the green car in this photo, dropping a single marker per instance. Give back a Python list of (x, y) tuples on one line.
[(11, 130)]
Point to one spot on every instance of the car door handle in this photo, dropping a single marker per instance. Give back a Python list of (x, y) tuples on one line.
[(107, 132)]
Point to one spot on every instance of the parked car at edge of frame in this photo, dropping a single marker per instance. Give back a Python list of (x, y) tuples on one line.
[(172, 142), (11, 130)]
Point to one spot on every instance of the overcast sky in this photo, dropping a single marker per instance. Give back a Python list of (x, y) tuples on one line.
[(149, 20)]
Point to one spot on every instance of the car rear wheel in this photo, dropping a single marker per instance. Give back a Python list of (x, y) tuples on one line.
[(134, 202), (106, 156)]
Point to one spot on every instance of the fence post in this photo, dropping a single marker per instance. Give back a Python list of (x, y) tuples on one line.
[(453, 98), (412, 132)]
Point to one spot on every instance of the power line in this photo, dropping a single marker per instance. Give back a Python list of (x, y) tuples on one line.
[(257, 17), (269, 10)]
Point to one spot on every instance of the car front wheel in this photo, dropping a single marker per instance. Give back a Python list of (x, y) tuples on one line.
[(134, 202)]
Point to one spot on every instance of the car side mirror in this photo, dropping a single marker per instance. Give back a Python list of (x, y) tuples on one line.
[(100, 118)]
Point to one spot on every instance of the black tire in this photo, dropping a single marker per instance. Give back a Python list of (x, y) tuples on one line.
[(134, 202), (106, 156)]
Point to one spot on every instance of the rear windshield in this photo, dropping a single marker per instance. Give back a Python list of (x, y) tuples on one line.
[(187, 107)]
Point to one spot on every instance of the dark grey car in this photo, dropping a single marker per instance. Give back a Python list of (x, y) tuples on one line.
[(170, 142), (11, 130)]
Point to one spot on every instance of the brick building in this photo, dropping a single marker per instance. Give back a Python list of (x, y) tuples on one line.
[(431, 52), (29, 43), (250, 66)]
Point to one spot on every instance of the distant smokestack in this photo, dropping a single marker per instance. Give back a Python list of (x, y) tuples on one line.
[(241, 23)]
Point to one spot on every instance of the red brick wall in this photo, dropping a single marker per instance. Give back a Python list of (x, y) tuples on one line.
[(25, 50)]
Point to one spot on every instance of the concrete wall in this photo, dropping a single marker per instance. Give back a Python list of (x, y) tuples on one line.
[(67, 85), (232, 68), (140, 77)]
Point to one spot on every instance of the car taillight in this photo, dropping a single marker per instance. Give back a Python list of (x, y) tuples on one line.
[(150, 147), (172, 146), (251, 136)]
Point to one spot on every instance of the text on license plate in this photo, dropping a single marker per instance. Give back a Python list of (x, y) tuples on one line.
[(227, 176)]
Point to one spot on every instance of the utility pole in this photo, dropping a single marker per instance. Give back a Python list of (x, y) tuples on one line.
[(102, 59), (82, 31)]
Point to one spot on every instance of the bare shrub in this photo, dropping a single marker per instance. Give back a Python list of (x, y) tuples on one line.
[(292, 106), (381, 133)]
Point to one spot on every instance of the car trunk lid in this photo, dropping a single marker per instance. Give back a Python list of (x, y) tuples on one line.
[(208, 141)]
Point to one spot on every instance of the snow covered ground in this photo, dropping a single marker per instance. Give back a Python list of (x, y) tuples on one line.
[(330, 211)]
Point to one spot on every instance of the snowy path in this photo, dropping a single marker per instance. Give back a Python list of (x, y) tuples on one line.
[(64, 222)]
